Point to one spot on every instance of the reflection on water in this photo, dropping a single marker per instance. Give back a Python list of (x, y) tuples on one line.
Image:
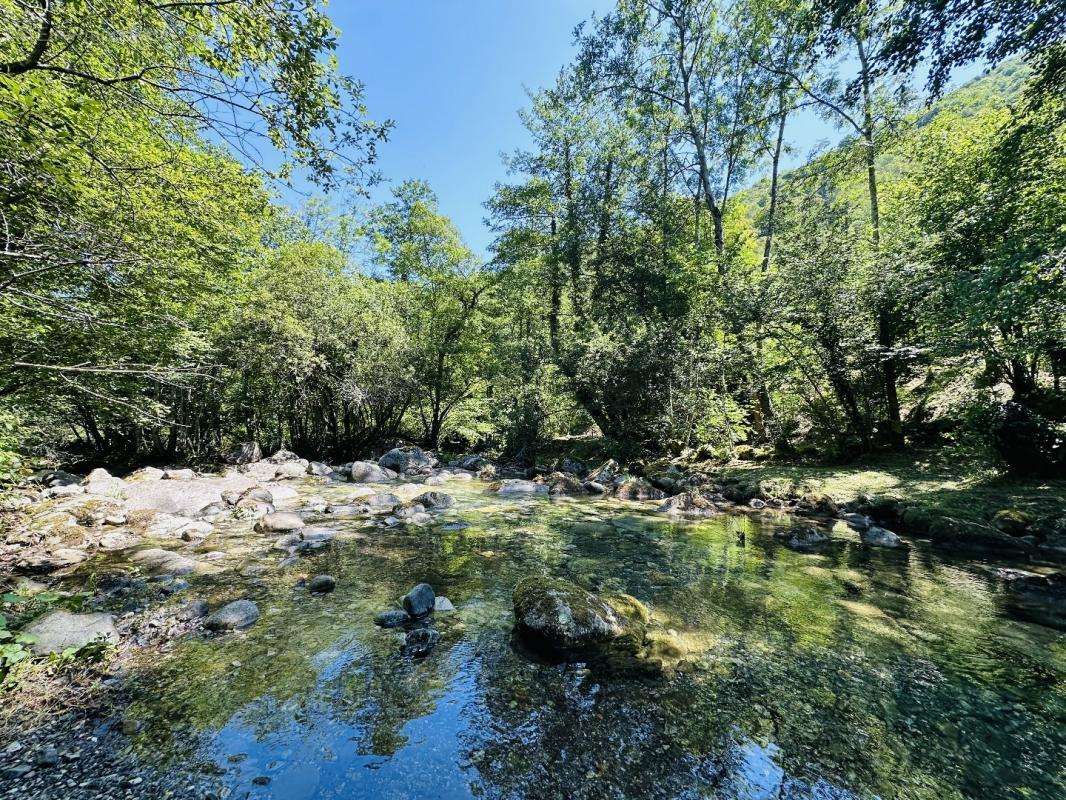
[(854, 673)]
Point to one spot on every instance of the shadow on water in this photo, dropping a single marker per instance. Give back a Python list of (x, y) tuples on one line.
[(849, 673)]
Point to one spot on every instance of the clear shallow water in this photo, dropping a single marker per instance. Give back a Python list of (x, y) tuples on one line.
[(856, 673)]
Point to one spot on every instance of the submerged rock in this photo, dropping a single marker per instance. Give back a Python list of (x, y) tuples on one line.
[(238, 614), (420, 642), (394, 618), (420, 600), (321, 584), (312, 539), (194, 609), (1038, 598), (383, 503), (564, 619), (166, 561), (60, 630), (518, 486), (802, 538), (880, 537), (859, 522)]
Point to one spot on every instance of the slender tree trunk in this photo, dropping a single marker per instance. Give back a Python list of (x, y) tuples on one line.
[(766, 410), (886, 334)]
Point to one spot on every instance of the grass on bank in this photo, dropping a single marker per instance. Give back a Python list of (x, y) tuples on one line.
[(940, 483)]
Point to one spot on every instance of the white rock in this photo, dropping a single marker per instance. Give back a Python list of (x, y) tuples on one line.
[(516, 486), (880, 537), (60, 630)]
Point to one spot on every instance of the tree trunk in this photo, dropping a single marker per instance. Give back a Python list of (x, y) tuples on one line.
[(886, 334)]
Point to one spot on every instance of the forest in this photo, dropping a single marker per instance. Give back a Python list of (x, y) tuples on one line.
[(733, 465), (657, 277)]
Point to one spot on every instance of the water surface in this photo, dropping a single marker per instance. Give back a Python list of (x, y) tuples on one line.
[(854, 673)]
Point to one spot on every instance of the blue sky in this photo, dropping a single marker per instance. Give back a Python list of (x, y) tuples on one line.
[(453, 74)]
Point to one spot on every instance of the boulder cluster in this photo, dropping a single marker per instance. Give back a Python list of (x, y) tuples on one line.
[(415, 618)]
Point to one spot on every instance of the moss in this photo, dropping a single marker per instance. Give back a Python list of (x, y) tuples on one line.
[(630, 608), (1012, 522), (939, 493), (917, 519)]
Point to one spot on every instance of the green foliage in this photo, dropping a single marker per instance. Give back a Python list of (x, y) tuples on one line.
[(157, 303)]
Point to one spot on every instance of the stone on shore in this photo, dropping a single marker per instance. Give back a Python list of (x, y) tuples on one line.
[(238, 614), (881, 537), (61, 630), (279, 522)]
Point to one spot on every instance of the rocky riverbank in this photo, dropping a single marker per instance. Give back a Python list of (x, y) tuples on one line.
[(128, 564)]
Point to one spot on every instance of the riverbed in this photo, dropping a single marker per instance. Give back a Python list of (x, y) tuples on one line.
[(854, 672)]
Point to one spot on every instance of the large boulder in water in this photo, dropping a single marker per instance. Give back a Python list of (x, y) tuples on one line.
[(420, 600), (367, 472), (408, 460), (436, 500), (567, 622), (562, 483), (184, 497), (688, 504), (802, 538), (880, 537)]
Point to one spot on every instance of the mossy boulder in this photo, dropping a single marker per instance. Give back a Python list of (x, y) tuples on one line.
[(816, 503), (689, 504), (802, 538), (562, 483), (638, 489), (568, 623), (1012, 522), (916, 519)]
